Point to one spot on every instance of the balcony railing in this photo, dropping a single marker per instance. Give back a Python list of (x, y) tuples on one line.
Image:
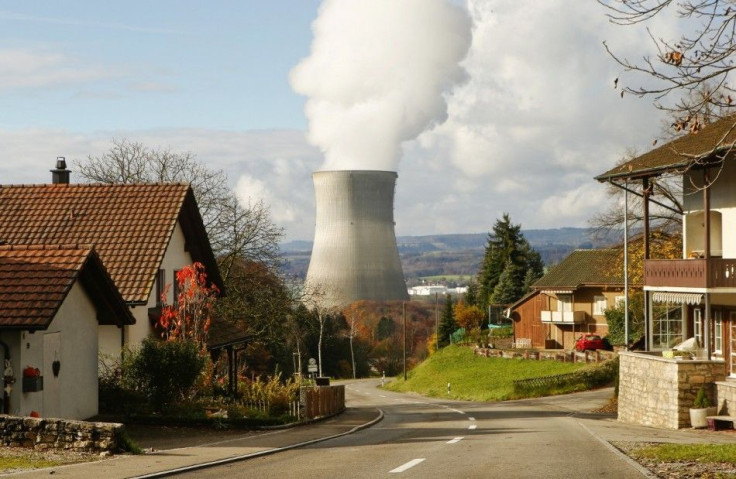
[(563, 317), (690, 273)]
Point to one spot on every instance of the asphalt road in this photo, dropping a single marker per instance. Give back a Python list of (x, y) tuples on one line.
[(422, 437)]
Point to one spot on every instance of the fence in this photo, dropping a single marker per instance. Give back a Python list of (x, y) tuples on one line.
[(322, 401)]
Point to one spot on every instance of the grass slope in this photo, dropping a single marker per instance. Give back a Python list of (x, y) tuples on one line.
[(475, 378)]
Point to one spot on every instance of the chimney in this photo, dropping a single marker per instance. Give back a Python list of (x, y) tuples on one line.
[(60, 175)]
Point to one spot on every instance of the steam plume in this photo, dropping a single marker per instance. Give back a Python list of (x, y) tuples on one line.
[(376, 76)]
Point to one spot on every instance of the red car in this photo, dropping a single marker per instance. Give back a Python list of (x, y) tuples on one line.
[(589, 342)]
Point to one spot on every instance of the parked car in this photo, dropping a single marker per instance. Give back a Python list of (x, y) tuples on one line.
[(589, 342)]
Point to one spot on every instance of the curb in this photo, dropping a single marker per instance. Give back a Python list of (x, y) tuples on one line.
[(643, 470), (196, 467)]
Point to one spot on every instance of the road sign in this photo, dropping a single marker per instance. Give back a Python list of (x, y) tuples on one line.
[(312, 365)]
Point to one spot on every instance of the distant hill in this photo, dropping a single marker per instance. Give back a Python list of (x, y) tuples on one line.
[(458, 254)]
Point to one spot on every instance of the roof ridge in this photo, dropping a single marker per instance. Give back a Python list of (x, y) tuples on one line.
[(82, 185), (46, 247)]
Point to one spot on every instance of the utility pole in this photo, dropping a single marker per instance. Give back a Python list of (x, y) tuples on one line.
[(436, 322)]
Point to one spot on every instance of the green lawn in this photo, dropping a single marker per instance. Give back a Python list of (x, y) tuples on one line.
[(475, 378), (687, 452)]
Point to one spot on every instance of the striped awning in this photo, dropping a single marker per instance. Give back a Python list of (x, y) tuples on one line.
[(682, 298)]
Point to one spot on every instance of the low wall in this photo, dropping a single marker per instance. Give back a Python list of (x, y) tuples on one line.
[(323, 401), (658, 392), (46, 433)]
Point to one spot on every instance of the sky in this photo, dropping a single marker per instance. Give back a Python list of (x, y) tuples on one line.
[(482, 106)]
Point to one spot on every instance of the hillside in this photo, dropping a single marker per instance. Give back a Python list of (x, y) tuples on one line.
[(457, 254)]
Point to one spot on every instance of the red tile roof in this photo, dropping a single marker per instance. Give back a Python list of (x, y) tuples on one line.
[(35, 280), (129, 225)]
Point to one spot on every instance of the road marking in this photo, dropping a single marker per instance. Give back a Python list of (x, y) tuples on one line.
[(453, 441), (406, 466), (471, 418), (381, 395), (457, 411), (472, 426)]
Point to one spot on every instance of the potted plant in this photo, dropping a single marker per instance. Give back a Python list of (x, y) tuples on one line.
[(701, 410)]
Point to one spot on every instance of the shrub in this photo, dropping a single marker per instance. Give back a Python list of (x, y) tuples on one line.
[(274, 394), (167, 370), (701, 400)]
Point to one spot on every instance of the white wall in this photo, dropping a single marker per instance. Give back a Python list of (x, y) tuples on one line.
[(722, 199), (73, 394)]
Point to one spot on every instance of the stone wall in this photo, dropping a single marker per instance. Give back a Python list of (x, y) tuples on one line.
[(658, 392), (45, 433)]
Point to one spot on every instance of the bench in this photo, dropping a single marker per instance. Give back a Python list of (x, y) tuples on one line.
[(719, 423)]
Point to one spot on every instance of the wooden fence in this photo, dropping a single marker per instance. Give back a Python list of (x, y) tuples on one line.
[(321, 401)]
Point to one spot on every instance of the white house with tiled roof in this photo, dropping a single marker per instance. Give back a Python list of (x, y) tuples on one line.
[(143, 234), (692, 297), (53, 300)]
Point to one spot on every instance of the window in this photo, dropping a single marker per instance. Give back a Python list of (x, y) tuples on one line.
[(564, 303), (698, 326), (619, 301), (718, 331), (160, 286), (666, 325), (176, 288), (599, 305)]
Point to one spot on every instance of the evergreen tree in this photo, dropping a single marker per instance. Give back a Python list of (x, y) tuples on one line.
[(507, 248), (447, 323), (471, 296)]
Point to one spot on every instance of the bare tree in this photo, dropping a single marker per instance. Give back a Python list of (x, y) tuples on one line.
[(698, 62), (235, 232), (665, 213)]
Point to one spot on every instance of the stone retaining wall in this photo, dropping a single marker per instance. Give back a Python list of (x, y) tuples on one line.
[(47, 433), (658, 392)]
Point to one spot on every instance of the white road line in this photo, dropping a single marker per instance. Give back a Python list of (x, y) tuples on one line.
[(406, 466), (472, 426), (457, 411), (471, 418), (381, 395), (453, 441)]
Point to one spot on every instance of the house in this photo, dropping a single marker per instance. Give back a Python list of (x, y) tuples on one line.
[(692, 297), (53, 299), (142, 233), (569, 300)]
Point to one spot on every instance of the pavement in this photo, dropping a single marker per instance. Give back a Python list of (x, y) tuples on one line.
[(174, 450)]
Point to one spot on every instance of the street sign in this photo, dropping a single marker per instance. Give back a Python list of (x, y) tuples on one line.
[(312, 365)]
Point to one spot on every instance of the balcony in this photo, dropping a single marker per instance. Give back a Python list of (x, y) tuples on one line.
[(563, 317), (690, 273)]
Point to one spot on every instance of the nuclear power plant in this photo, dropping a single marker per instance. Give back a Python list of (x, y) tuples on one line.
[(355, 256)]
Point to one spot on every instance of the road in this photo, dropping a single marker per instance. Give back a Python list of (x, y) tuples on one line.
[(423, 437)]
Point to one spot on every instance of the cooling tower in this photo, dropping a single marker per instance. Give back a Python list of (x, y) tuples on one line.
[(354, 255)]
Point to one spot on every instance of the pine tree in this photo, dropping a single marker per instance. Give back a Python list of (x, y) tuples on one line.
[(447, 323), (507, 248)]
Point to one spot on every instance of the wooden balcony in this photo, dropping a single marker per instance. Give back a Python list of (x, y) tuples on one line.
[(690, 273)]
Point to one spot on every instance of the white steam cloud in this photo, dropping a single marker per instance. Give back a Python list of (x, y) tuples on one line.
[(376, 76)]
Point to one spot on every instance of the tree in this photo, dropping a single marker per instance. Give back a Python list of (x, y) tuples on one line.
[(507, 248), (468, 316), (234, 232), (510, 286), (447, 323), (189, 318), (688, 74), (385, 328)]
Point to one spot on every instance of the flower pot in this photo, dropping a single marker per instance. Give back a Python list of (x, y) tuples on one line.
[(698, 416)]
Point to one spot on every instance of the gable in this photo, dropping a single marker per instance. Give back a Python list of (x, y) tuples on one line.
[(35, 281)]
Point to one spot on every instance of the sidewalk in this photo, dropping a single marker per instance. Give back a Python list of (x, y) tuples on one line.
[(183, 448)]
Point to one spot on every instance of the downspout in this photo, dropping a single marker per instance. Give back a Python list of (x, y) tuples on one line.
[(706, 207)]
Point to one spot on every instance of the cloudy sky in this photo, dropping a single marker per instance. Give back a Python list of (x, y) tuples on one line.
[(483, 107)]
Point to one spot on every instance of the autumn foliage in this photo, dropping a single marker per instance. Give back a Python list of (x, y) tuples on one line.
[(190, 316)]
